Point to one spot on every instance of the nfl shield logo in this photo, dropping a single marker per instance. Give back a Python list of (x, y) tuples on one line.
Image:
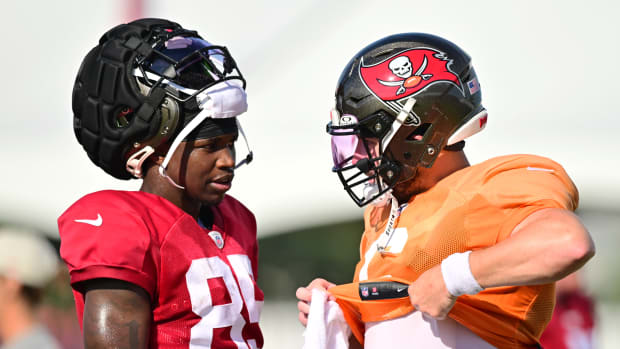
[(364, 291), (217, 238)]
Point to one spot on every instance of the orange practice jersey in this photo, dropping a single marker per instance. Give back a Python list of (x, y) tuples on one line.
[(473, 208)]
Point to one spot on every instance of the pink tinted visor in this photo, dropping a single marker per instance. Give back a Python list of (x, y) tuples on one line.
[(348, 147)]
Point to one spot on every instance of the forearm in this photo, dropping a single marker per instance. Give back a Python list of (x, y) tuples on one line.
[(547, 246)]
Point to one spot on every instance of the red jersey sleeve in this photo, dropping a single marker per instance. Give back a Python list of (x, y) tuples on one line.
[(103, 235)]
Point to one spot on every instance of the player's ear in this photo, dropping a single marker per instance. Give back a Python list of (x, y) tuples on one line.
[(157, 159), (159, 155)]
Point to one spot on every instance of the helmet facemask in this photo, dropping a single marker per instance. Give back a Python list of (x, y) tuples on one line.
[(202, 78), (358, 152), (186, 66), (392, 75)]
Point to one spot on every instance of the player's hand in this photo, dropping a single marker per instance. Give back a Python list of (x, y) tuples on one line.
[(304, 295), (429, 294)]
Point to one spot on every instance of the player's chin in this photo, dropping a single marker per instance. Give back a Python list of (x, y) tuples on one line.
[(213, 197)]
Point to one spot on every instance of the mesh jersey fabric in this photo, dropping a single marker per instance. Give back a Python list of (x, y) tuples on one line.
[(473, 208), (148, 241)]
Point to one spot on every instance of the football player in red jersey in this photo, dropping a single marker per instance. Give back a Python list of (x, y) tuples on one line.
[(174, 264), (476, 249), (573, 324)]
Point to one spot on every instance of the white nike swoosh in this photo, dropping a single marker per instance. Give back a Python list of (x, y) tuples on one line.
[(96, 222), (539, 169), (401, 289)]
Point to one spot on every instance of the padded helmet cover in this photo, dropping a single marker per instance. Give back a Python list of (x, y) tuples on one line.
[(105, 87)]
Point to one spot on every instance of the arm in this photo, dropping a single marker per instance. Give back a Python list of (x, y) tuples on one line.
[(117, 314), (545, 247)]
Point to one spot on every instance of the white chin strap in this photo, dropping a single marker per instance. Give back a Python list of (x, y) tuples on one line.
[(371, 190), (205, 113), (221, 101)]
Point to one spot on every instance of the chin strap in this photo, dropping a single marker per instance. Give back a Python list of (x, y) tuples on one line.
[(371, 190), (216, 102), (205, 113), (135, 161), (189, 128), (162, 172)]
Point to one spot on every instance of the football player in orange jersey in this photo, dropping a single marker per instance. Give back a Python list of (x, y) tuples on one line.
[(478, 247)]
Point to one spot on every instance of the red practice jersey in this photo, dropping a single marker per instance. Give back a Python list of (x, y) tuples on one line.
[(471, 209), (572, 325), (202, 282)]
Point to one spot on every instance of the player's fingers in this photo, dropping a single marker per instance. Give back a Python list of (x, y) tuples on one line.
[(303, 294), (413, 296), (303, 307), (303, 318), (324, 285), (410, 290), (320, 284), (416, 307)]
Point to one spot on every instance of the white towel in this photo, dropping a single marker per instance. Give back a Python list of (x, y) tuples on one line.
[(327, 328)]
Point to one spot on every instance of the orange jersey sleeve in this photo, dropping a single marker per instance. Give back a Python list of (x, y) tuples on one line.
[(510, 189), (473, 208)]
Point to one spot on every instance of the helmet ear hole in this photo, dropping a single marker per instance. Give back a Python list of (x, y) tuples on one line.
[(419, 133), (123, 118)]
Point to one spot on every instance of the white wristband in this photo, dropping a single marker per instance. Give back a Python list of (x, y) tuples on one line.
[(457, 275)]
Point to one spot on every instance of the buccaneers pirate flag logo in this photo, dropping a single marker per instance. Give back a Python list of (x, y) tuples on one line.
[(407, 73)]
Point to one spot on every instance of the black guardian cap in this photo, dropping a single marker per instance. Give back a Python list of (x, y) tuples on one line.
[(139, 86)]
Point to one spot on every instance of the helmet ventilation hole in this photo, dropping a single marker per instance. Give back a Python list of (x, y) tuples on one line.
[(419, 133)]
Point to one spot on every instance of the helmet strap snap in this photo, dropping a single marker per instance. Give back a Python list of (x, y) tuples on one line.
[(135, 161)]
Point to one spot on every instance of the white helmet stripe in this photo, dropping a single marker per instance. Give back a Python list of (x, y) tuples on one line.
[(400, 119), (470, 128)]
